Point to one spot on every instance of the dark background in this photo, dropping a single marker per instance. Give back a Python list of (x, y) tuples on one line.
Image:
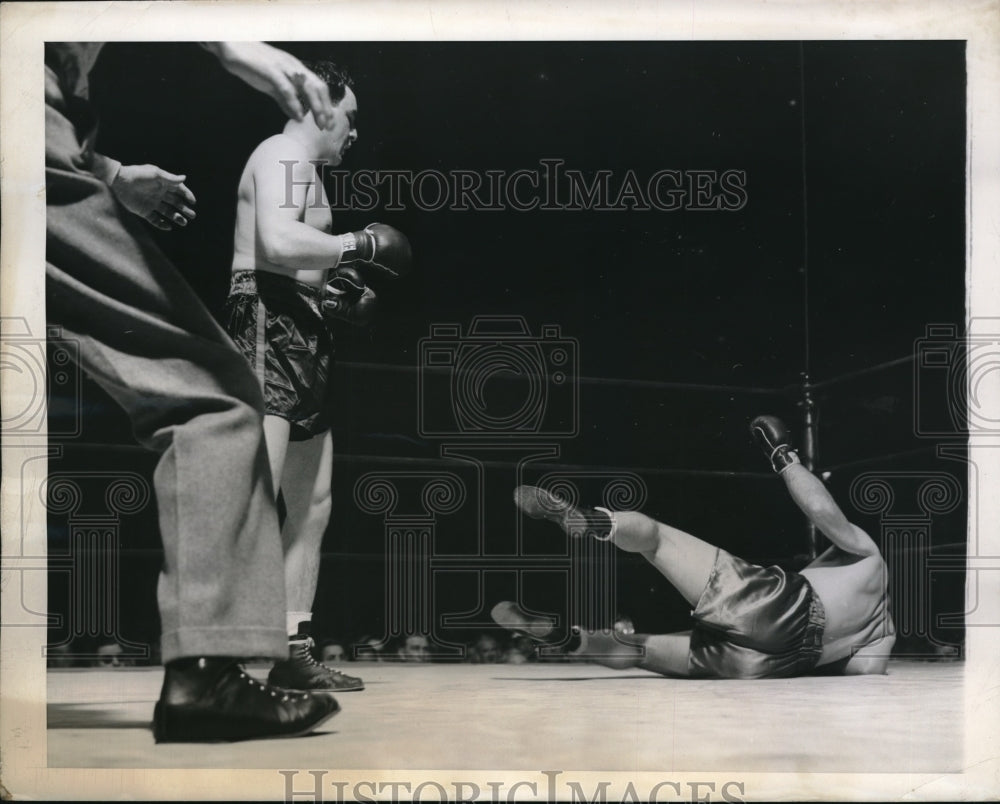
[(851, 243)]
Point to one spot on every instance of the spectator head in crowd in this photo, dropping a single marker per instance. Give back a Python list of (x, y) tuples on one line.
[(414, 648), (111, 654), (486, 650), (332, 652)]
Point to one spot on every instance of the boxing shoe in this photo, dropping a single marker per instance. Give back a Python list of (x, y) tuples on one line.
[(771, 434), (511, 616), (577, 521), (214, 700), (300, 671)]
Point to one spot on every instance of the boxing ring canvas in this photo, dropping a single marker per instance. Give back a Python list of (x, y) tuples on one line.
[(552, 717), (626, 246)]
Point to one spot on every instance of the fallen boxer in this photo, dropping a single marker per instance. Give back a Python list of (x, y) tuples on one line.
[(832, 617)]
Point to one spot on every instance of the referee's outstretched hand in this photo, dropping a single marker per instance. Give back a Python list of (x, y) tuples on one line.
[(278, 74), (151, 193)]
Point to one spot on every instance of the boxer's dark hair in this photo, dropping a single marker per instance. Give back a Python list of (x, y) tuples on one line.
[(337, 79)]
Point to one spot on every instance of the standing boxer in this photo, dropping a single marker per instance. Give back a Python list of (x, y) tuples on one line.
[(750, 621), (290, 278), (145, 337)]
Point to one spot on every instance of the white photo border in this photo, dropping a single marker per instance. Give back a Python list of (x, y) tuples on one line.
[(24, 28)]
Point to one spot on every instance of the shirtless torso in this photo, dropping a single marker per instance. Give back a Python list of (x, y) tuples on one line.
[(859, 629), (260, 170)]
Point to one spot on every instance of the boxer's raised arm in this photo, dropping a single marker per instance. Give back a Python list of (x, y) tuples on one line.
[(807, 490)]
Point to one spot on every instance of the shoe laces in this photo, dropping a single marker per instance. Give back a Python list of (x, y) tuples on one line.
[(265, 688), (305, 647)]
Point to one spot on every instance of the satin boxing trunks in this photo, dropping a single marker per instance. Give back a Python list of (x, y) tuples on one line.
[(755, 622), (277, 324)]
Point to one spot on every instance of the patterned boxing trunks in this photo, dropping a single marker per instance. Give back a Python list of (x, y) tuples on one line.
[(755, 622), (277, 324)]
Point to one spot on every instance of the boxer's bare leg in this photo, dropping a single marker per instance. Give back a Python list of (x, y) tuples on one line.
[(306, 475), (308, 502), (276, 431), (667, 654), (684, 560), (660, 653), (302, 470)]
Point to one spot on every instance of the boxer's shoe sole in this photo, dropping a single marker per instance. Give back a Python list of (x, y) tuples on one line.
[(577, 521)]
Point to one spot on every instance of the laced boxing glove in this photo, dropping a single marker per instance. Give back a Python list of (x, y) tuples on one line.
[(378, 251), (347, 298), (772, 436)]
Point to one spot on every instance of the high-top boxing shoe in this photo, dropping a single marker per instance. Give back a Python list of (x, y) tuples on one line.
[(577, 521), (300, 671), (541, 630), (772, 436), (212, 699)]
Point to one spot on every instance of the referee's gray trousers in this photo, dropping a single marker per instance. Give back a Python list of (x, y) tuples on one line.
[(146, 338)]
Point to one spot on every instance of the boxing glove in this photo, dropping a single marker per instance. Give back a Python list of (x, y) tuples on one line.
[(347, 298), (380, 251), (772, 436)]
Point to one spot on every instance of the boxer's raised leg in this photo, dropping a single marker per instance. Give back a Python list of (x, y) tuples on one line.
[(685, 560)]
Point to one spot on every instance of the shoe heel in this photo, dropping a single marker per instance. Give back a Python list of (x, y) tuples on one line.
[(158, 727)]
